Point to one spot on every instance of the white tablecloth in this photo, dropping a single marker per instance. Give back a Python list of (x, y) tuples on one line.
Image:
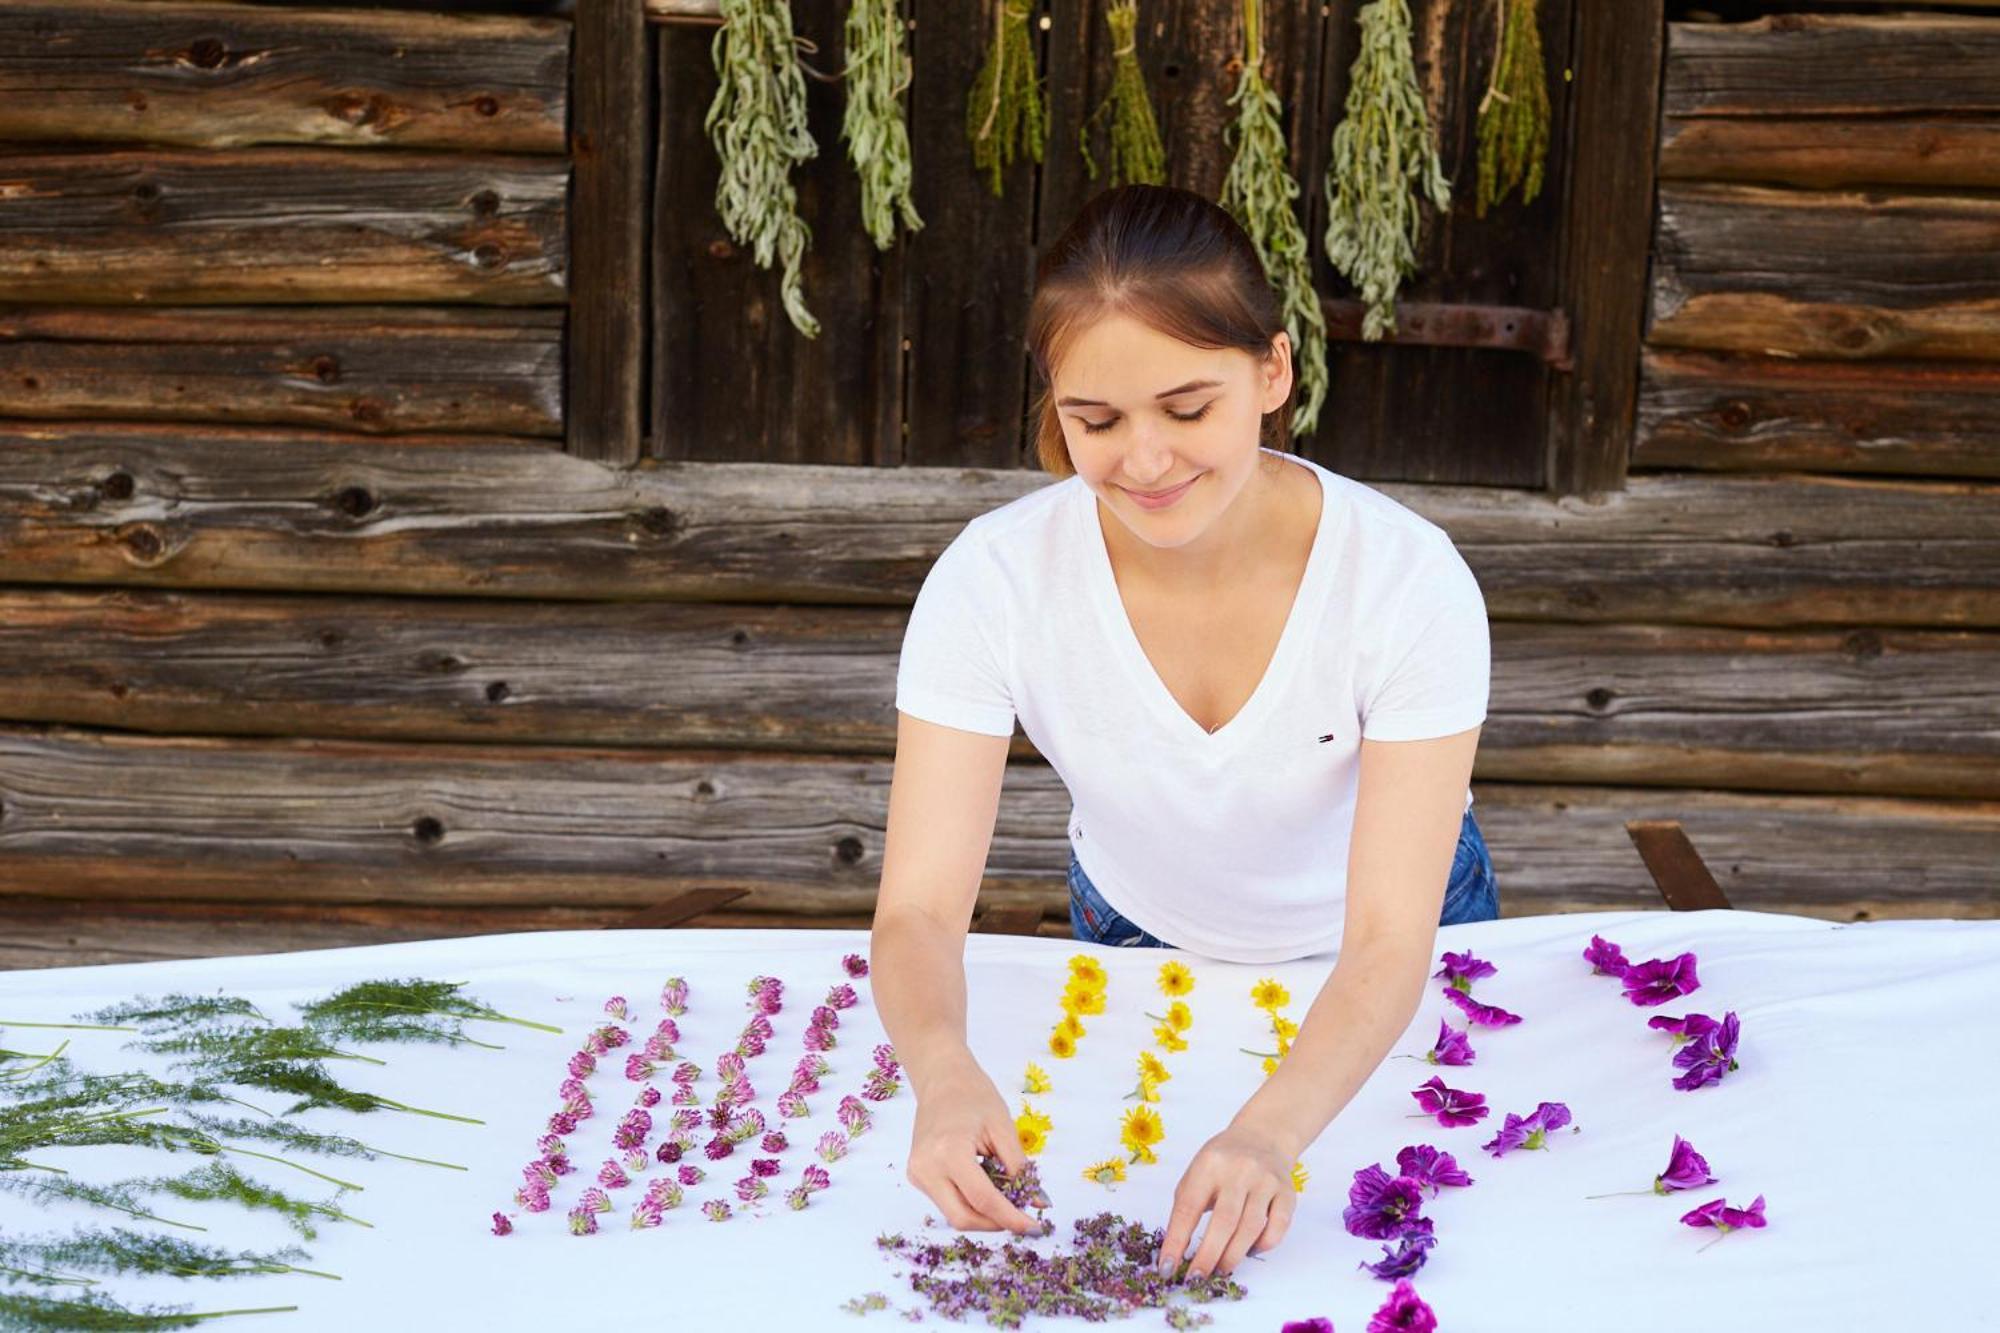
[(1859, 1113)]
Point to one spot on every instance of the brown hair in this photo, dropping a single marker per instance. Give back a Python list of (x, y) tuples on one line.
[(1167, 257)]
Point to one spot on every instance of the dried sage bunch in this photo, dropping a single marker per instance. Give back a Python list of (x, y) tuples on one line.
[(1006, 110), (875, 125), (1513, 129), (757, 123), (1258, 191), (1136, 152), (1380, 148)]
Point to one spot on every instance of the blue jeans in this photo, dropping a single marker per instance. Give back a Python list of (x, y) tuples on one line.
[(1470, 895)]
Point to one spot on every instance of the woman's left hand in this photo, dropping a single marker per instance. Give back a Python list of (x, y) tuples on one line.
[(1243, 1178)]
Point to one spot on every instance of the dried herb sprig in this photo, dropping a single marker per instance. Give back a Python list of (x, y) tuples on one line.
[(217, 1047), (410, 995), (299, 1139), (757, 123), (94, 1310), (35, 1060), (122, 1196), (1382, 146), (874, 123), (117, 1250), (175, 1011), (221, 1182), (1513, 116), (1136, 152), (1258, 191), (1006, 111), (309, 1081)]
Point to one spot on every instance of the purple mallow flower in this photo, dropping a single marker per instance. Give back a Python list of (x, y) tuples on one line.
[(1449, 1105), (1403, 1312), (1452, 1048), (1529, 1131), (1605, 958), (1484, 1015), (1686, 1169), (1658, 980), (1710, 1055), (1460, 970), (1381, 1206), (1407, 1255), (1718, 1214), (1317, 1324), (1431, 1166)]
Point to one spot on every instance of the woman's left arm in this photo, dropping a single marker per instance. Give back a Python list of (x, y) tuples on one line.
[(1409, 806)]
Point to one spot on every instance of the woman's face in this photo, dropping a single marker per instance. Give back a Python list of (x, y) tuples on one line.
[(1144, 413)]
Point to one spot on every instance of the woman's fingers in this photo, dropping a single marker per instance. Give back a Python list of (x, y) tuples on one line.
[(1279, 1223), (1191, 1199), (1255, 1213), (985, 1199), (1220, 1231)]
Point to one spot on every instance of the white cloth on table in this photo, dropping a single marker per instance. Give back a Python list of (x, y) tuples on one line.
[(1859, 1112)]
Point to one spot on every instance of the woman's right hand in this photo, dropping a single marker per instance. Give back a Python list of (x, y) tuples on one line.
[(960, 1118)]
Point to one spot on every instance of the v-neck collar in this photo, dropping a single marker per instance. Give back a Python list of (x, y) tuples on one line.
[(1125, 640)]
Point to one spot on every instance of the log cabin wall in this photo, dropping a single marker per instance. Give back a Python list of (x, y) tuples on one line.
[(374, 566)]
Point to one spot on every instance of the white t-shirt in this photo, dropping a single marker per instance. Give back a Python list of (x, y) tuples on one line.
[(1231, 844)]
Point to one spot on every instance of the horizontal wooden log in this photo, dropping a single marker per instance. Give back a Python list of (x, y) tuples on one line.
[(295, 511), (227, 76), (1832, 274), (1824, 153), (1822, 64), (135, 820), (289, 225), (1746, 413), (354, 368), (1861, 711)]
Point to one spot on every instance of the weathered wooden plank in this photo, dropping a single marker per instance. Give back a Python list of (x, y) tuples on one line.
[(1833, 64), (132, 818), (1824, 153), (355, 368), (291, 511), (1747, 413), (1604, 236), (1834, 274), (1865, 711), (207, 75), (732, 378), (610, 148), (294, 225)]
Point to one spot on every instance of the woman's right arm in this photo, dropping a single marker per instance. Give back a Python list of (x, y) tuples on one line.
[(944, 795)]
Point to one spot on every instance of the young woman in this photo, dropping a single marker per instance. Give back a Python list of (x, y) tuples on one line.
[(1262, 684)]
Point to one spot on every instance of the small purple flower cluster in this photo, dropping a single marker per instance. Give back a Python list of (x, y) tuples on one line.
[(1105, 1272), (1403, 1312), (856, 966), (1389, 1208), (661, 1195), (1704, 1047), (1530, 1131), (885, 1080)]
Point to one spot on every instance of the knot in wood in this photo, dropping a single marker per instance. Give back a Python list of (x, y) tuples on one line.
[(486, 104), (1600, 697), (354, 501), (116, 486), (207, 53), (849, 851), (428, 830), (497, 691), (1783, 538), (659, 521), (143, 541), (1862, 644)]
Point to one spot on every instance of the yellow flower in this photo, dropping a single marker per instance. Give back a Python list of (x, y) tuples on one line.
[(1284, 1048), (1071, 1026), (1142, 1129), (1268, 994), (1153, 1068), (1061, 1045), (1179, 1017), (1030, 1116), (1169, 1039), (1270, 1065), (1088, 970), (1284, 1027), (1299, 1176), (1147, 1091), (1106, 1172), (1037, 1079), (1175, 979), (1033, 1140), (1081, 999)]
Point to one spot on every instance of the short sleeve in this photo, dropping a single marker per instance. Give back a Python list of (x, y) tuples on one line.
[(1442, 656), (950, 671)]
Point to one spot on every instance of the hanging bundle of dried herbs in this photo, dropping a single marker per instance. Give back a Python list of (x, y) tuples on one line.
[(1380, 147), (757, 123), (1006, 111), (1259, 191), (1513, 128), (874, 125), (1136, 153), (94, 1310), (346, 1011), (119, 1251)]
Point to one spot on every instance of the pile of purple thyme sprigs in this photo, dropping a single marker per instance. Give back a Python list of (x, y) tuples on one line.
[(1106, 1272)]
